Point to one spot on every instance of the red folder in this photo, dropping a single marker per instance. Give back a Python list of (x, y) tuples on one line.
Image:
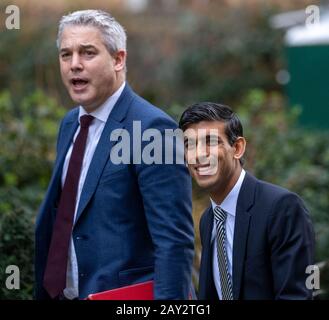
[(139, 291)]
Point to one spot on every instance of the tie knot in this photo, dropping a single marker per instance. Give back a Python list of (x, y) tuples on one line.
[(220, 214), (85, 120)]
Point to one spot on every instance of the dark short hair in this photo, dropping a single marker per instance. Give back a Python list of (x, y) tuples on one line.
[(210, 111)]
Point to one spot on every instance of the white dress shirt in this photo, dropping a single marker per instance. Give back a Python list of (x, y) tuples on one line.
[(229, 205), (95, 131)]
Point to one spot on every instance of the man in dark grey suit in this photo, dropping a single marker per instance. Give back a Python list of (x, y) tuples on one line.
[(257, 238)]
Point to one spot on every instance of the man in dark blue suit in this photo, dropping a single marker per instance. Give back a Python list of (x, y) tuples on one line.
[(257, 238), (103, 223)]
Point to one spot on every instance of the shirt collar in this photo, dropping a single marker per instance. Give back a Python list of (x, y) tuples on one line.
[(230, 202), (103, 112)]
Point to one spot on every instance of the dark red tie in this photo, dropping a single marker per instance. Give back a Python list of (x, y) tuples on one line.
[(55, 274)]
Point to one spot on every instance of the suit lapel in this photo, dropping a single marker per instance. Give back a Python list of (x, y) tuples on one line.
[(239, 248), (206, 277), (208, 252), (67, 132), (242, 220), (103, 149), (97, 165)]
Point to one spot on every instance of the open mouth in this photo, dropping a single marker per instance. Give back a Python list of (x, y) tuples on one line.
[(79, 83), (206, 170)]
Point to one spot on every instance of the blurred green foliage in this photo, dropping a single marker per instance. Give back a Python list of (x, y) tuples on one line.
[(227, 56), (27, 140)]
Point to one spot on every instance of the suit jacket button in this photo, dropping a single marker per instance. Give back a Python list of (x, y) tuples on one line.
[(81, 237)]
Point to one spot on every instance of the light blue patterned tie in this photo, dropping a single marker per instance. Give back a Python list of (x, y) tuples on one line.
[(225, 278)]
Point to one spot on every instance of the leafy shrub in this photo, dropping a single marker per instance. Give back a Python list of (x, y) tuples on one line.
[(27, 140)]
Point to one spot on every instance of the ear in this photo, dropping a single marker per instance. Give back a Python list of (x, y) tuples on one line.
[(240, 147), (120, 60)]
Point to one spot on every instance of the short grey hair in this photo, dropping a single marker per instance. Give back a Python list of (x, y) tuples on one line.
[(114, 34)]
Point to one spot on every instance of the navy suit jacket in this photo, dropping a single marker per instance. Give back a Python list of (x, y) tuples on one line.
[(134, 221), (272, 246)]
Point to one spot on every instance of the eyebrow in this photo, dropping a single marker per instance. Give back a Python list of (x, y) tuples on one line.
[(214, 136), (63, 50), (88, 46), (186, 139), (207, 136), (83, 46)]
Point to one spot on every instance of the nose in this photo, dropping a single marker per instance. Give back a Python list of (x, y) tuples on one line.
[(202, 153), (76, 63)]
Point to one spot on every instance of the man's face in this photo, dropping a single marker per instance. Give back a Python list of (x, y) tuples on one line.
[(212, 161), (88, 70)]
